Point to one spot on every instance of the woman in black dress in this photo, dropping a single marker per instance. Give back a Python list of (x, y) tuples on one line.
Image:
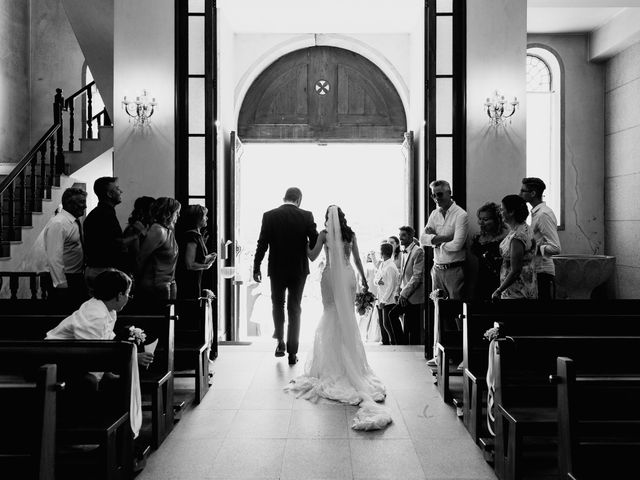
[(486, 247), (193, 257)]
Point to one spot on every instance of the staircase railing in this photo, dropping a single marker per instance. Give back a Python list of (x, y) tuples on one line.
[(30, 181)]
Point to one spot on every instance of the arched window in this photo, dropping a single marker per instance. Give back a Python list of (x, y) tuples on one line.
[(544, 125)]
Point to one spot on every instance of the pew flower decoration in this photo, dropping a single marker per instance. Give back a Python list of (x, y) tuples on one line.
[(137, 335), (207, 295), (438, 294), (492, 333), (364, 302)]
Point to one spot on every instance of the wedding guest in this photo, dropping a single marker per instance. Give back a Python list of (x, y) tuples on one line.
[(485, 245), (96, 318), (386, 279), (193, 257), (104, 241), (517, 275), (545, 232), (395, 243), (159, 253), (64, 250), (410, 292), (138, 224), (446, 232), (368, 323)]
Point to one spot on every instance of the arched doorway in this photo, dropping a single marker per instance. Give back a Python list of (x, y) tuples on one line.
[(302, 116)]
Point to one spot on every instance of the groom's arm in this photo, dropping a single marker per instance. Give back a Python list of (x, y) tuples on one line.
[(261, 249), (312, 232)]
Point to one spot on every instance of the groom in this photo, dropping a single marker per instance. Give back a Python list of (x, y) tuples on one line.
[(286, 230)]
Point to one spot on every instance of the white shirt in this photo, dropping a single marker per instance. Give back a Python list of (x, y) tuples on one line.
[(63, 247), (390, 276), (92, 321), (545, 232), (452, 221)]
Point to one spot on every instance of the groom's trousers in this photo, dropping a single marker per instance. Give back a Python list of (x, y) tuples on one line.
[(412, 314), (292, 287)]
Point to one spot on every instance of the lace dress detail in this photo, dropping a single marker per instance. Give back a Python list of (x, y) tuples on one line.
[(337, 367)]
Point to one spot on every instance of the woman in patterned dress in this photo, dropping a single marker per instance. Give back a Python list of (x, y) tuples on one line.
[(517, 275)]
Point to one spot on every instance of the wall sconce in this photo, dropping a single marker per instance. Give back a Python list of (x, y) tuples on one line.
[(140, 109), (496, 109)]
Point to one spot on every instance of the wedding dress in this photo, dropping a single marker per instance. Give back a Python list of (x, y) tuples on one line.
[(337, 367)]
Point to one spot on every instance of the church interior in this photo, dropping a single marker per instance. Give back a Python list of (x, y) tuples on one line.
[(362, 104)]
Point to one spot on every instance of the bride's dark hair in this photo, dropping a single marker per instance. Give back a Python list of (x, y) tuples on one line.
[(347, 233)]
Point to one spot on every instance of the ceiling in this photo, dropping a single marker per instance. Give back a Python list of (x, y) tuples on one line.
[(573, 16)]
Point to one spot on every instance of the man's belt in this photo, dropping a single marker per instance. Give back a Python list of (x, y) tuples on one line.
[(445, 266)]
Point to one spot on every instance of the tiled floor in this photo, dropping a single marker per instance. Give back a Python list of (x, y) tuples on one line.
[(248, 427)]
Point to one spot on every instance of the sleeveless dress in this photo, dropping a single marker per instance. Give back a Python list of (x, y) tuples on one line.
[(525, 286), (337, 367)]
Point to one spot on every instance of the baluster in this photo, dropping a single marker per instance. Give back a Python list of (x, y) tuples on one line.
[(70, 109), (58, 107), (22, 199), (42, 186), (1, 225), (14, 284), (11, 211), (43, 289), (90, 112), (33, 286), (52, 165), (107, 119), (34, 164)]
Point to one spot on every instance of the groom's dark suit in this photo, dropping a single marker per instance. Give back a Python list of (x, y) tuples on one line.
[(286, 231)]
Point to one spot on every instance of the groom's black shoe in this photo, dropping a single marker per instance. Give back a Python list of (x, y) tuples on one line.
[(293, 359), (280, 349)]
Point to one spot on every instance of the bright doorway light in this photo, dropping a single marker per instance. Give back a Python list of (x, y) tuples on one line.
[(368, 181)]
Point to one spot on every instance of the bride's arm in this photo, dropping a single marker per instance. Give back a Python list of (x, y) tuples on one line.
[(313, 253), (358, 262)]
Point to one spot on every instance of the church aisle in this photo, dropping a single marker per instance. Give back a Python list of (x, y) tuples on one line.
[(248, 427)]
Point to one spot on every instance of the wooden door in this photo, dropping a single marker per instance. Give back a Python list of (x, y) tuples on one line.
[(322, 94)]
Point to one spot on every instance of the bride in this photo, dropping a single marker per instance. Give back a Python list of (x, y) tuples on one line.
[(337, 366)]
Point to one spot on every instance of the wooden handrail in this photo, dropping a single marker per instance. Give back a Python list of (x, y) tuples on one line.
[(22, 164), (72, 97)]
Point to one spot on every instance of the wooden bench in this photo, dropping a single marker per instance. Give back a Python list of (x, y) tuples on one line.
[(27, 444), (448, 344), (525, 401), (156, 382), (107, 426), (195, 339), (598, 418), (528, 317)]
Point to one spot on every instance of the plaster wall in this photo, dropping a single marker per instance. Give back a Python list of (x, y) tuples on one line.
[(144, 159), (496, 56), (14, 80), (56, 62), (583, 165), (622, 168)]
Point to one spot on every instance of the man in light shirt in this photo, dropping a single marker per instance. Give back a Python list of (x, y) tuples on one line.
[(545, 233), (64, 250), (387, 278), (446, 232)]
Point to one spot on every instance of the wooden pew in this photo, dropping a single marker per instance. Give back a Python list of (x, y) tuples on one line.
[(448, 345), (598, 418), (527, 317), (525, 400), (27, 444), (195, 337), (157, 381), (108, 425)]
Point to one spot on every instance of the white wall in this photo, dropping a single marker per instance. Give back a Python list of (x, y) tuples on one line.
[(496, 56), (144, 59), (622, 168)]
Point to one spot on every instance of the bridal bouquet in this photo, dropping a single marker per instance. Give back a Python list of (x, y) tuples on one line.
[(364, 302), (136, 335)]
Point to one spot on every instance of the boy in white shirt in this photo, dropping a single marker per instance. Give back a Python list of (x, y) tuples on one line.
[(387, 278)]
